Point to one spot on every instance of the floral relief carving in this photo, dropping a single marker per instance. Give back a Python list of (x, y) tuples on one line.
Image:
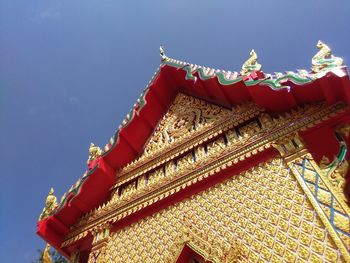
[(185, 116)]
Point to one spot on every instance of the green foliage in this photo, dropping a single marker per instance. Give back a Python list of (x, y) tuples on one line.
[(55, 257)]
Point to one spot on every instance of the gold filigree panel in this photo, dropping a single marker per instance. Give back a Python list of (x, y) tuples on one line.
[(186, 116), (264, 209)]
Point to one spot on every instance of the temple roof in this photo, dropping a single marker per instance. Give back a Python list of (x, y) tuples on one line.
[(328, 81)]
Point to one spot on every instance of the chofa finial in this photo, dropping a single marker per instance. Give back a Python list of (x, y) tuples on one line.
[(163, 57), (94, 152), (50, 205), (324, 58), (251, 64)]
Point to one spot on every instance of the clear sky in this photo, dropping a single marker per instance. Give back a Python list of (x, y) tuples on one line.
[(70, 70)]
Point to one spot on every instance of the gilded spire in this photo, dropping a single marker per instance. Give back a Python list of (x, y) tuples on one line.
[(50, 205), (324, 58), (94, 152), (163, 57), (46, 254), (251, 64)]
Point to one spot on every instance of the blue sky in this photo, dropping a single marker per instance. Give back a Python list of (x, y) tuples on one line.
[(71, 70)]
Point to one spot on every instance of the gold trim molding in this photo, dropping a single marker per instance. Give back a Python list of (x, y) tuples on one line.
[(220, 251)]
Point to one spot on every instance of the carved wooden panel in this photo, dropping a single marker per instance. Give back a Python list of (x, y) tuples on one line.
[(185, 116)]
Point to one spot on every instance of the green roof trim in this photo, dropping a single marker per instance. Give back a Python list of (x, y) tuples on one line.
[(191, 69)]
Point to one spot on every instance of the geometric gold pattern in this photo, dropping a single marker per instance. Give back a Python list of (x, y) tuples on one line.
[(185, 117), (264, 210), (331, 203)]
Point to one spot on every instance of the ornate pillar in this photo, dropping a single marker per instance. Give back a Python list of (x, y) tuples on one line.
[(324, 195), (98, 252)]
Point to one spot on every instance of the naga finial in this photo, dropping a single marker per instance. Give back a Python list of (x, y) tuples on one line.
[(94, 152), (251, 64), (46, 254), (50, 205), (324, 58), (324, 163), (162, 53)]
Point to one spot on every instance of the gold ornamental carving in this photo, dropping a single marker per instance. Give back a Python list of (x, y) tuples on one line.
[(99, 253), (251, 64), (207, 159), (324, 58), (289, 145), (163, 153), (186, 115), (46, 254), (335, 171), (336, 176), (260, 214), (94, 152), (344, 129), (163, 57), (50, 205), (210, 246)]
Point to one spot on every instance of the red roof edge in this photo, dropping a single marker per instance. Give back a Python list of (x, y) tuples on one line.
[(127, 143)]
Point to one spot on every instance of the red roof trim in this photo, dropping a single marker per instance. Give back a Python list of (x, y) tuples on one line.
[(129, 140)]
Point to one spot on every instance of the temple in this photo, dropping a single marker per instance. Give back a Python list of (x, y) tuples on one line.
[(217, 166)]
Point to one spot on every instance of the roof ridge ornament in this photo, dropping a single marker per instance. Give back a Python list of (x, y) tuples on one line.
[(94, 152), (46, 253), (163, 57), (324, 58), (50, 205), (251, 64)]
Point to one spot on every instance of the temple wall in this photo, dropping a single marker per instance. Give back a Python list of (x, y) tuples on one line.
[(262, 214)]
